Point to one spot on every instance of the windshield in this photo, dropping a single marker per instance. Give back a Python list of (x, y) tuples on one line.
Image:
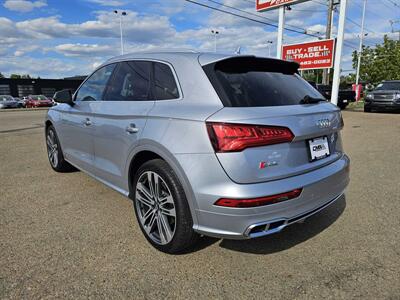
[(6, 98), (39, 97), (253, 82), (388, 86)]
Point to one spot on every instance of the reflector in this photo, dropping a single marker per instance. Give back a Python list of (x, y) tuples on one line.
[(254, 202)]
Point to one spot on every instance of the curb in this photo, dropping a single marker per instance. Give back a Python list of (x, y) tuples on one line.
[(23, 109)]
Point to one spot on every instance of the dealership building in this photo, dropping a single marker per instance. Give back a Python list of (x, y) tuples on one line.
[(24, 87)]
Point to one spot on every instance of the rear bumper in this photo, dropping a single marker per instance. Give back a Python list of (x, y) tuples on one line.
[(321, 187)]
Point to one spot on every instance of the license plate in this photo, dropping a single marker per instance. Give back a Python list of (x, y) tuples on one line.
[(319, 148), (344, 101)]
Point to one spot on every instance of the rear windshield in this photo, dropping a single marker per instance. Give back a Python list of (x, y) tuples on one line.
[(5, 98), (388, 86), (252, 82), (39, 97)]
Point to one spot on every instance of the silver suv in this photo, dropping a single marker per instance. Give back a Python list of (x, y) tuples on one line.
[(227, 146)]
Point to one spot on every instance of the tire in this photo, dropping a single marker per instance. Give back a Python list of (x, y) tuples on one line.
[(367, 109), (54, 152), (342, 106), (166, 232)]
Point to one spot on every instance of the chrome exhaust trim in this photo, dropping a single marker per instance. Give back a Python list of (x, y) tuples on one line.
[(271, 227)]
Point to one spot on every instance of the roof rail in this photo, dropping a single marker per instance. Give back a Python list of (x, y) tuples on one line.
[(167, 50)]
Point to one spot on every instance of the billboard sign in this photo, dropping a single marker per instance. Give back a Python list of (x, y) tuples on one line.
[(312, 55), (262, 5)]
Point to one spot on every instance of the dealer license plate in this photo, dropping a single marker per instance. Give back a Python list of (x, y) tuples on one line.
[(319, 148)]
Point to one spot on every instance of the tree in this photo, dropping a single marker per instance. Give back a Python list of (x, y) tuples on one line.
[(379, 63), (18, 76), (1, 75)]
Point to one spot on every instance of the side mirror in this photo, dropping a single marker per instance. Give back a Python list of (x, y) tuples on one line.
[(64, 96)]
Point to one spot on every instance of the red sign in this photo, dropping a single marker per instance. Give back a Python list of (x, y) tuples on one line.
[(262, 5), (313, 55)]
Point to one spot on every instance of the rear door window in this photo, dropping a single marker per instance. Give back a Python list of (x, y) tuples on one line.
[(165, 86), (253, 82), (130, 82)]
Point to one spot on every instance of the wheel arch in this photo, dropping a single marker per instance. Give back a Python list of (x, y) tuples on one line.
[(47, 124), (151, 150)]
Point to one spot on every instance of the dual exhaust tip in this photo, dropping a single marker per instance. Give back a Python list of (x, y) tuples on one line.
[(267, 228)]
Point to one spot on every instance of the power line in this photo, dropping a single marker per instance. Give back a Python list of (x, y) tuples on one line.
[(258, 16), (259, 21), (248, 18)]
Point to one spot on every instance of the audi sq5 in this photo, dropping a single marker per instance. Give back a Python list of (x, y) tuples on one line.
[(228, 146)]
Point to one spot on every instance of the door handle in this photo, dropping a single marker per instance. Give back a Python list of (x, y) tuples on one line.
[(131, 128), (87, 122)]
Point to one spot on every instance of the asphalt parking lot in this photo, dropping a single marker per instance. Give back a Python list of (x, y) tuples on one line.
[(69, 236)]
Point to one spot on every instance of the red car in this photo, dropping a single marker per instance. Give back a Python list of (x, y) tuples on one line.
[(38, 101)]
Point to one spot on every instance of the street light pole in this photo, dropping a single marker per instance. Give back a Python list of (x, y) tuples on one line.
[(269, 43), (360, 50), (123, 13), (392, 23), (215, 33)]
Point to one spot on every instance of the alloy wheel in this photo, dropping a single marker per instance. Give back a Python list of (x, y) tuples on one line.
[(52, 148), (155, 207)]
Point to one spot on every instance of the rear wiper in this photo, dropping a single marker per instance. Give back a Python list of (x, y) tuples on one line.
[(310, 100)]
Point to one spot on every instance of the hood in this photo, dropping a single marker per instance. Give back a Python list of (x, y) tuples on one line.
[(385, 92)]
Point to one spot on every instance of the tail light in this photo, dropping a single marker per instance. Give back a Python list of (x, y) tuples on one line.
[(254, 202), (227, 137)]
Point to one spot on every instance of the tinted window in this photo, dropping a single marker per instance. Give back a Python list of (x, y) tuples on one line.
[(93, 88), (388, 86), (38, 97), (130, 82), (164, 83), (248, 82)]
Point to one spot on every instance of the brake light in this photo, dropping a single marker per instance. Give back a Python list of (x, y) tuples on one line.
[(227, 137), (246, 203)]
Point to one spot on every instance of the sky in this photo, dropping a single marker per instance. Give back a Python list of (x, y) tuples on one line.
[(61, 38)]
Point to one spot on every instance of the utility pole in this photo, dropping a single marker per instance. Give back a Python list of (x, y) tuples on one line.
[(338, 54), (325, 73), (281, 28), (360, 50)]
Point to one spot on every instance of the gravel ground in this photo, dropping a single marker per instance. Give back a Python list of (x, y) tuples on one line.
[(69, 236)]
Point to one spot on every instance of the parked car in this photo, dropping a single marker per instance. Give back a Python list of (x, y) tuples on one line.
[(386, 96), (38, 101), (233, 147), (345, 96), (21, 102), (7, 101)]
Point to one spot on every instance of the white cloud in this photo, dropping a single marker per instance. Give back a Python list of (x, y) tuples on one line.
[(85, 49), (83, 45), (24, 5), (108, 2), (40, 66)]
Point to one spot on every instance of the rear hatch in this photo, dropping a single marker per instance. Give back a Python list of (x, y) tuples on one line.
[(271, 120)]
